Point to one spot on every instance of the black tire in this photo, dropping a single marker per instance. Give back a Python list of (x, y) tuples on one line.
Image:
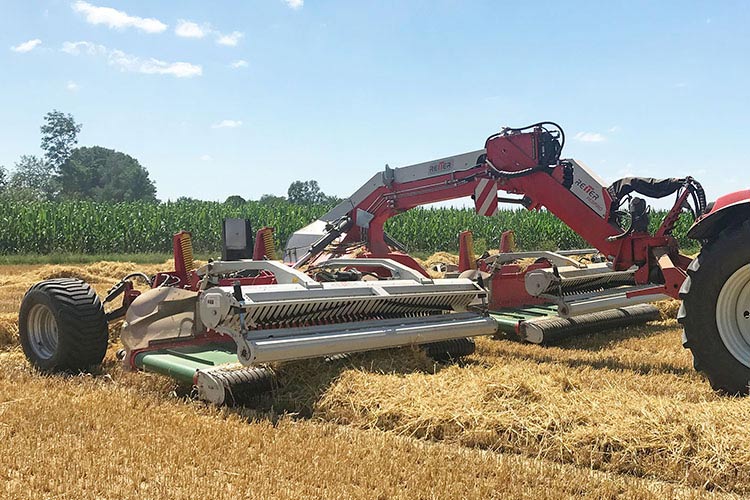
[(73, 308), (450, 350), (719, 260)]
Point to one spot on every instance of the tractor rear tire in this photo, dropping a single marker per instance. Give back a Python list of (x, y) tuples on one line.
[(62, 326), (715, 310), (450, 350)]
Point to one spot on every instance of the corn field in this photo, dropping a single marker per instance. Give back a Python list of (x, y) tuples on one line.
[(96, 228)]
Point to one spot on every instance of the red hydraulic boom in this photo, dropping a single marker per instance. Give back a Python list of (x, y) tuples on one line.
[(523, 162)]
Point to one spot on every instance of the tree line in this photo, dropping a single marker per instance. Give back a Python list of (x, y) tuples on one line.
[(96, 173), (65, 172)]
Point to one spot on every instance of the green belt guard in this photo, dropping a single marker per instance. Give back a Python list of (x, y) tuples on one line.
[(213, 369)]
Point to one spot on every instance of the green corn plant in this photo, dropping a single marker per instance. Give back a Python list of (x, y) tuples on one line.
[(89, 227)]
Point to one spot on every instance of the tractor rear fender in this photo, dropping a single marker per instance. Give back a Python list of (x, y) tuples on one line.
[(726, 211)]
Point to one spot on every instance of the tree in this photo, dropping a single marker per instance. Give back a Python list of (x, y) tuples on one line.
[(103, 174), (272, 198), (59, 136), (235, 199), (3, 179), (305, 193), (32, 178), (332, 200)]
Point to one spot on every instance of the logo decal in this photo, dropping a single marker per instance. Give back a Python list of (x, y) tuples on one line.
[(441, 166), (588, 189)]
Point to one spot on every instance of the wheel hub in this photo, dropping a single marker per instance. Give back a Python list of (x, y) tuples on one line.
[(42, 327), (733, 315)]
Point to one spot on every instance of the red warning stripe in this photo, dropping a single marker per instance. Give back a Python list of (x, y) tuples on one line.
[(485, 197)]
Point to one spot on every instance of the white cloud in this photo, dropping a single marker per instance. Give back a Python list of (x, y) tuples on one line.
[(77, 48), (227, 124), (189, 29), (134, 64), (240, 63), (230, 40), (151, 66), (206, 158), (117, 19), (27, 46), (614, 129), (294, 4), (72, 86), (589, 137)]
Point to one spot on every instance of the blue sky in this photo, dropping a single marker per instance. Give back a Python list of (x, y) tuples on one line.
[(244, 97)]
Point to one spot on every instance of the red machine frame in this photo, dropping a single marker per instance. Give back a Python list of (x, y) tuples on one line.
[(515, 163)]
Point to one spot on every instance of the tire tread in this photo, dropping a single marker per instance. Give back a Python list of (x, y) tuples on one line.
[(82, 325), (697, 313)]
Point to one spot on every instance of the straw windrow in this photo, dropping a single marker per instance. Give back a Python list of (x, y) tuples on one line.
[(626, 403)]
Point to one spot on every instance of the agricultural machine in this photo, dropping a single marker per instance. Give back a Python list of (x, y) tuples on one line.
[(347, 286)]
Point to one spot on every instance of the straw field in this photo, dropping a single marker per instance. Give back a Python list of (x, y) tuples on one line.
[(615, 415)]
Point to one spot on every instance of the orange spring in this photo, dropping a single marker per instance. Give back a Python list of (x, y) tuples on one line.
[(186, 243), (270, 248)]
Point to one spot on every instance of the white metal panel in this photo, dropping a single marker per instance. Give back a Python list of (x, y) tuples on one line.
[(357, 338), (588, 187), (437, 167), (300, 241)]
